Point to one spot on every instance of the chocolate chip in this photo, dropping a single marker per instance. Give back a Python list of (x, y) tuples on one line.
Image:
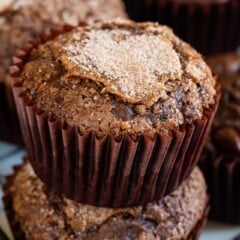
[(59, 99), (146, 222), (91, 230), (127, 215), (123, 112)]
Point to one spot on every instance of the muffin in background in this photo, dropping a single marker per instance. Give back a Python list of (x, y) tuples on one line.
[(34, 213), (220, 161), (21, 20), (117, 110), (209, 26)]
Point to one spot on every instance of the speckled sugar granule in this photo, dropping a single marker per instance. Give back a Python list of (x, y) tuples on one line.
[(125, 63)]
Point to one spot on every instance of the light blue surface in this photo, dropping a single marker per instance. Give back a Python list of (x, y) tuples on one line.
[(11, 155)]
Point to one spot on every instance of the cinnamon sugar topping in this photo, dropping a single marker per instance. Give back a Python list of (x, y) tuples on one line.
[(120, 77), (133, 66)]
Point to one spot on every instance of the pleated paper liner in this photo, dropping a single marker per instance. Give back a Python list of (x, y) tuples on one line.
[(19, 233), (109, 171), (211, 27), (9, 125), (222, 174)]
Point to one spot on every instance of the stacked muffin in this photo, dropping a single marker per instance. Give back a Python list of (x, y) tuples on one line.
[(40, 214), (114, 117), (24, 19)]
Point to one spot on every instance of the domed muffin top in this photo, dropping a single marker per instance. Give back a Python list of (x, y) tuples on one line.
[(111, 74)]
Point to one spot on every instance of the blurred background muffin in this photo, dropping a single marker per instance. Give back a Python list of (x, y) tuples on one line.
[(220, 161), (211, 26)]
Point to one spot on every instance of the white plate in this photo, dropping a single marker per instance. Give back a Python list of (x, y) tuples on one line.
[(11, 155)]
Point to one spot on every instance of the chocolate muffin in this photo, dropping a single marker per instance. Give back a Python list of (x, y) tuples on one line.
[(210, 26), (43, 215), (221, 158), (126, 104), (21, 20)]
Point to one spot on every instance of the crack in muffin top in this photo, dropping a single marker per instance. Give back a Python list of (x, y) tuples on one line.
[(120, 77), (131, 65)]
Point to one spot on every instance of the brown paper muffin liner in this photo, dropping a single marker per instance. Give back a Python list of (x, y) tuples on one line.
[(109, 171), (9, 125), (18, 232), (222, 174), (210, 27)]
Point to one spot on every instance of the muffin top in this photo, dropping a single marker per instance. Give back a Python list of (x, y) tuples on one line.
[(24, 19), (43, 215), (225, 133), (120, 77)]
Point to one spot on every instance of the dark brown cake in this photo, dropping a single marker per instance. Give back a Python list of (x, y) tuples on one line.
[(114, 109), (211, 26), (43, 215), (221, 159), (21, 20)]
